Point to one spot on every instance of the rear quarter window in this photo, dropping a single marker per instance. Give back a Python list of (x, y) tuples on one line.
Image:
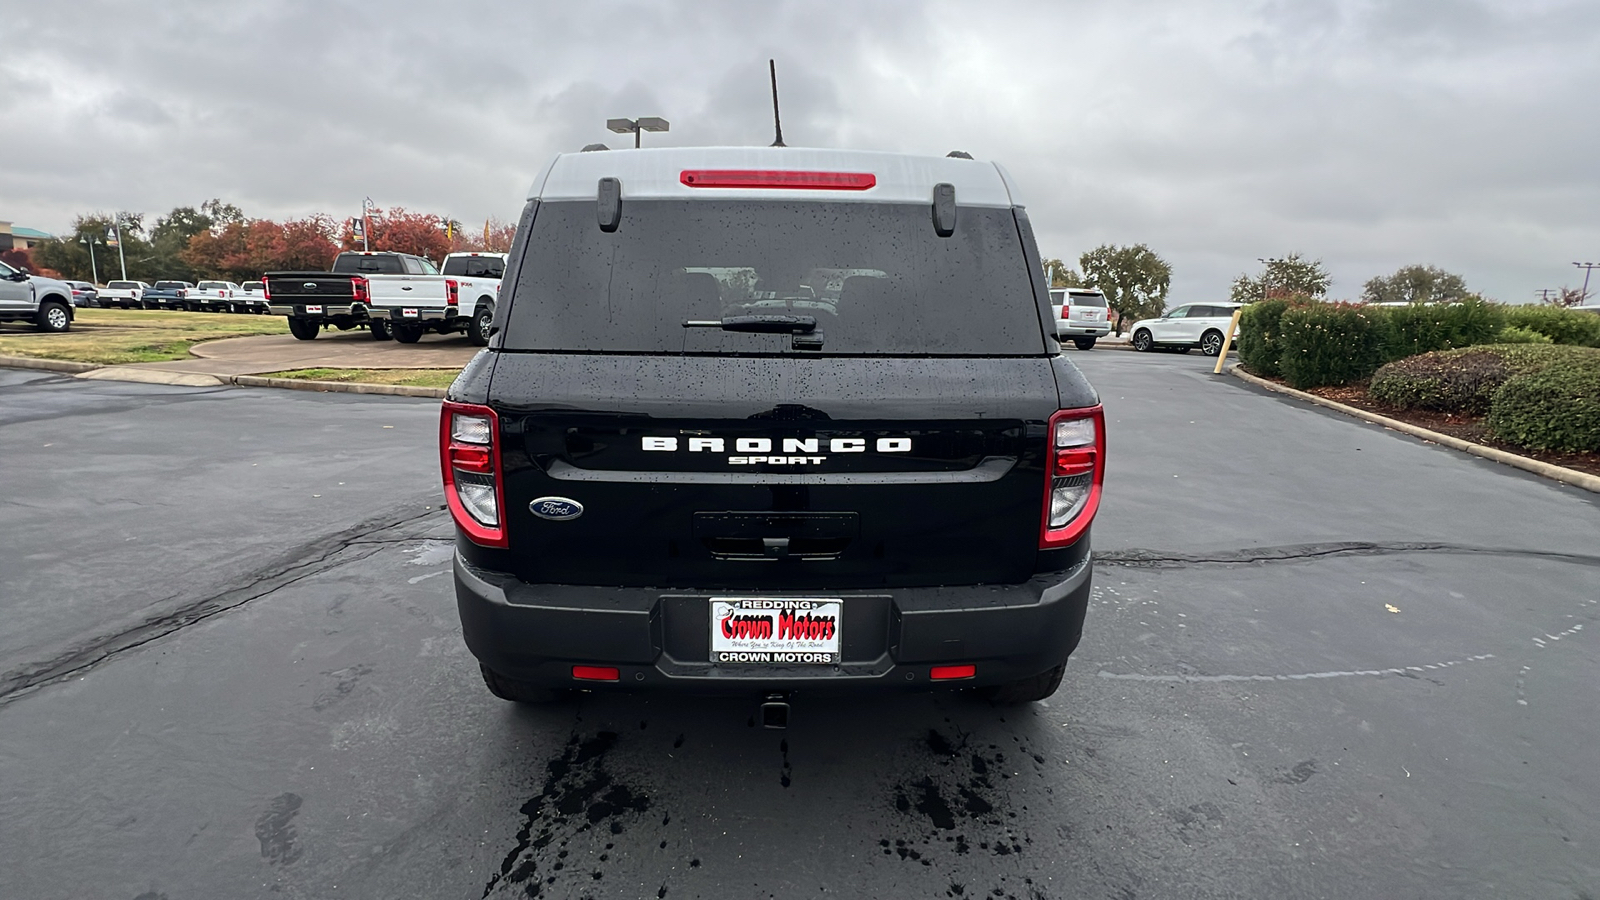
[(875, 277)]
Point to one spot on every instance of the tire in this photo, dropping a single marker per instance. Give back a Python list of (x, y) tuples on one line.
[(1142, 341), (1083, 343), (1211, 343), (1028, 690), (380, 329), (406, 334), (304, 329), (517, 691), (53, 317), (478, 328)]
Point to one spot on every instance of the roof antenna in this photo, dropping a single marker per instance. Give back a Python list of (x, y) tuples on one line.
[(777, 124)]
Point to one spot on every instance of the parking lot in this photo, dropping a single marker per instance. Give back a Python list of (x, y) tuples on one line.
[(1322, 660)]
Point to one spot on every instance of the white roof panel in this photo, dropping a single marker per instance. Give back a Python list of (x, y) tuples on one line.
[(655, 173)]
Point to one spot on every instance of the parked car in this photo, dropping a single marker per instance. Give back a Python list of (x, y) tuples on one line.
[(84, 294), (215, 296), (1203, 325), (685, 462), (123, 294), (393, 293), (45, 302), (252, 298), (166, 295), (477, 277), (1080, 315)]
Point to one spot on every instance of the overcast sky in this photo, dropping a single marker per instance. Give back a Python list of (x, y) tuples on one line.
[(1372, 135)]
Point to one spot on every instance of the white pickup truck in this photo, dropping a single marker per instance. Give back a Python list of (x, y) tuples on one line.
[(124, 294), (478, 278)]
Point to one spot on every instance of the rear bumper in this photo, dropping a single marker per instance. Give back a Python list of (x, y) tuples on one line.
[(329, 310), (417, 315), (660, 639), (1083, 330)]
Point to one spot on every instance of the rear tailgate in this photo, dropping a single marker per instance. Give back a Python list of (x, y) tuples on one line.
[(293, 288), (795, 473)]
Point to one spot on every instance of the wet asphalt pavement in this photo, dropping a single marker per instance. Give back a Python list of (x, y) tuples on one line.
[(1323, 660)]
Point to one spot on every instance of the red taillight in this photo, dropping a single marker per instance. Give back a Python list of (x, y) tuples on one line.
[(452, 292), (767, 178), (1066, 311), (596, 673), (360, 289), (266, 293), (1074, 475), (950, 673), (469, 452)]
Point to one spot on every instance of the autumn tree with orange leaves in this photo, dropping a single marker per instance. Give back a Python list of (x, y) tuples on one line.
[(400, 231)]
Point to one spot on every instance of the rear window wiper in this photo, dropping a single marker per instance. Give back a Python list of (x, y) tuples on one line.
[(759, 324), (804, 328)]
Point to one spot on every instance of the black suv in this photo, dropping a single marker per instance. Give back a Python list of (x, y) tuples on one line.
[(767, 420)]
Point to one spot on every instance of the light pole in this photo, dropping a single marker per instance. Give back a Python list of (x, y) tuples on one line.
[(1587, 267), (366, 224), (94, 271), (116, 228), (634, 126)]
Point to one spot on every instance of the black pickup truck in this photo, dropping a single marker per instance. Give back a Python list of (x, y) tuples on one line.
[(355, 293), (772, 420)]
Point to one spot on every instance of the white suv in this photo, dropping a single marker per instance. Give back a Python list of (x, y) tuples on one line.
[(1080, 315), (1202, 325)]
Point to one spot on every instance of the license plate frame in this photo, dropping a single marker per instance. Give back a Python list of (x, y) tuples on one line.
[(409, 313), (776, 631), (313, 309)]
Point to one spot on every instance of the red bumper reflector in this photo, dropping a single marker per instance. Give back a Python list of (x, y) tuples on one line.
[(596, 673), (766, 178), (948, 673)]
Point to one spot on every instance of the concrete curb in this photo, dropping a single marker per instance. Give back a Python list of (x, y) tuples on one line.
[(1543, 469), (49, 365), (93, 372), (348, 387)]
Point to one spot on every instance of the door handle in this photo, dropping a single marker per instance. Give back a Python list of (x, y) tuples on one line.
[(405, 287)]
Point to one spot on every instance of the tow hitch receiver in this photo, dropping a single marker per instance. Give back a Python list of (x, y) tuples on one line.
[(775, 711)]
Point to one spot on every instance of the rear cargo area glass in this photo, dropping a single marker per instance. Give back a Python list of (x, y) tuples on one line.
[(875, 277)]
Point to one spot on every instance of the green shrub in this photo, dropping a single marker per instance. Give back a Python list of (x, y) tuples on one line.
[(1556, 408), (1258, 336), (1516, 334), (1563, 326), (1425, 327), (1458, 381), (1330, 343)]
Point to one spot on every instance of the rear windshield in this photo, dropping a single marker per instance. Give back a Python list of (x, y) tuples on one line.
[(251, 285), (168, 285), (875, 277), (475, 266), (211, 285), (377, 265), (1086, 299), (121, 285)]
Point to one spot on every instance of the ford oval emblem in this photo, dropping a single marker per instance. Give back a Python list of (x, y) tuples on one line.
[(310, 285), (556, 509)]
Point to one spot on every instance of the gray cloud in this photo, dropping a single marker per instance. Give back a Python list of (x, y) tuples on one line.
[(1370, 134)]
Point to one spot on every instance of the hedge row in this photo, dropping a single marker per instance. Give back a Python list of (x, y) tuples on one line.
[(1312, 343), (1545, 397)]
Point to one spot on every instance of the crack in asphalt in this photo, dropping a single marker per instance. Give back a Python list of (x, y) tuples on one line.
[(310, 558), (1137, 558)]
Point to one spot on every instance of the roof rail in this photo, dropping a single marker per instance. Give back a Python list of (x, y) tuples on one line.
[(958, 154)]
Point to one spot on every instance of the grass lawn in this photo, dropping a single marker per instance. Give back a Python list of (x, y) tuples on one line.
[(434, 378), (117, 336)]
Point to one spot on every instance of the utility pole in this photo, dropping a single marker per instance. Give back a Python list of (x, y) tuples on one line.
[(1545, 293), (1587, 267)]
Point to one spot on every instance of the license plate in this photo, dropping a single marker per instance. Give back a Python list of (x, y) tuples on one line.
[(775, 631), (314, 309), (409, 313)]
